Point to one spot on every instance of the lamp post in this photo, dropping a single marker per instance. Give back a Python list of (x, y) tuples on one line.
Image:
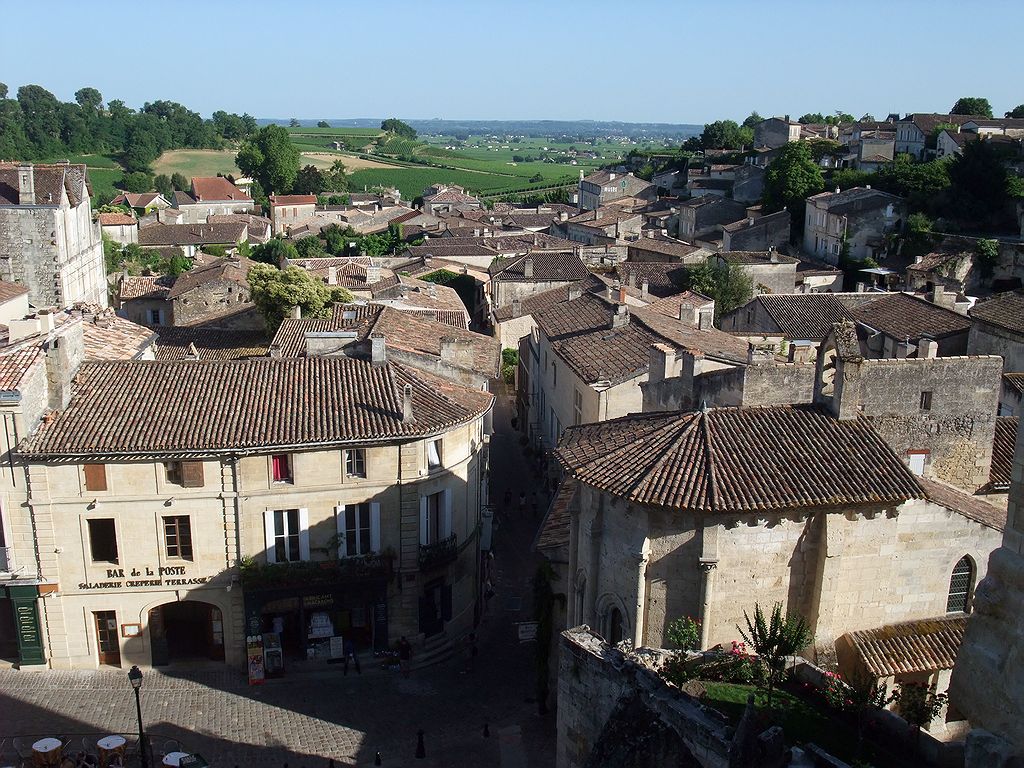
[(135, 678)]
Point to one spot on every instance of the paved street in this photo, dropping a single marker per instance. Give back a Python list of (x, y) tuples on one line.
[(307, 719)]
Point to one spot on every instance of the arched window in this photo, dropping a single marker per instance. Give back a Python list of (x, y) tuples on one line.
[(614, 626), (960, 585)]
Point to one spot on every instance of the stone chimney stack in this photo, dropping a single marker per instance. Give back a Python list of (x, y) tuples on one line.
[(662, 358), (295, 313), (904, 348), (574, 292), (372, 274), (644, 288), (621, 317), (928, 349), (378, 349), (407, 415), (517, 308), (332, 275), (622, 295), (528, 267), (26, 185), (706, 319)]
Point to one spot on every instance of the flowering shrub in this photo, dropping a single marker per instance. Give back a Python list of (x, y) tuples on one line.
[(836, 692), (684, 634)]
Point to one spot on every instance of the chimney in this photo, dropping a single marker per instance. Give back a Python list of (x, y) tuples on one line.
[(332, 275), (528, 267), (773, 255), (372, 274), (432, 291), (645, 287), (26, 185), (904, 348), (63, 356), (867, 186), (622, 294), (706, 319), (621, 317), (46, 322), (22, 329), (296, 312), (750, 221), (407, 416), (611, 177), (662, 359), (378, 349), (517, 308), (928, 349), (786, 118), (275, 351), (563, 215), (632, 280), (581, 174), (574, 291)]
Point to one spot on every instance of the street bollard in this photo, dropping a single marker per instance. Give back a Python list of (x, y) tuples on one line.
[(421, 749)]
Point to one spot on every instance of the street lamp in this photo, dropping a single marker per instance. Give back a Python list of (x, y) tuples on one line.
[(135, 678)]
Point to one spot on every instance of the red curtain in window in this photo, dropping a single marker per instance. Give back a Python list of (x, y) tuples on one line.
[(281, 472)]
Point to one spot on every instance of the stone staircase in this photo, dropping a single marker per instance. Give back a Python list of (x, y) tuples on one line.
[(435, 649)]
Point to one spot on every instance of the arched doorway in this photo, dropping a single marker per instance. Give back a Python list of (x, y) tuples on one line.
[(186, 631), (614, 626)]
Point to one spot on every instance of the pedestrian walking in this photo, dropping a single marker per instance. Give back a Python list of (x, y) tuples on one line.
[(522, 503), (350, 655), (404, 655)]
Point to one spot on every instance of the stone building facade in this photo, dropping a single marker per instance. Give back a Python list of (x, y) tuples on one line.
[(860, 217), (757, 233), (226, 517), (48, 239)]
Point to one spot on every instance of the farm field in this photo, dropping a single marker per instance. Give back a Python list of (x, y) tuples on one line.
[(352, 162), (104, 173), (412, 181), (197, 162)]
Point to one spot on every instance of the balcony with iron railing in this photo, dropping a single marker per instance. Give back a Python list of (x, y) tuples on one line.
[(439, 553), (346, 570), (6, 559)]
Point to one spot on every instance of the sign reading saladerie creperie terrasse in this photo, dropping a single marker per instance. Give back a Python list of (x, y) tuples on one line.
[(144, 578)]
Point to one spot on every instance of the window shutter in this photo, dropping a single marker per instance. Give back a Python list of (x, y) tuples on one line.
[(340, 514), (424, 529), (303, 534), (446, 523), (374, 526), (95, 477), (192, 474), (268, 532)]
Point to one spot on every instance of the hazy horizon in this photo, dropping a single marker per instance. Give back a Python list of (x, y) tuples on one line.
[(674, 63)]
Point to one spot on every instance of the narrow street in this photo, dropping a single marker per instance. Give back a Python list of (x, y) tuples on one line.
[(308, 719)]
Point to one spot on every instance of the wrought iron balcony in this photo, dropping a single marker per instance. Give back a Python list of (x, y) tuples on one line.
[(6, 559), (345, 570), (439, 553)]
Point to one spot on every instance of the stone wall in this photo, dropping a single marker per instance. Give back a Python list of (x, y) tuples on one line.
[(215, 300), (503, 292), (985, 339), (760, 234), (770, 278)]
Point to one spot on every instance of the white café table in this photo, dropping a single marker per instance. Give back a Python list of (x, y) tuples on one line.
[(47, 751), (110, 746), (174, 758)]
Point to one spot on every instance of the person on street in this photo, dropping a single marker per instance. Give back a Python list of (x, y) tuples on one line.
[(404, 655), (350, 655)]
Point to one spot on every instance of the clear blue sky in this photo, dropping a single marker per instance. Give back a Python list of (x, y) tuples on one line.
[(676, 61)]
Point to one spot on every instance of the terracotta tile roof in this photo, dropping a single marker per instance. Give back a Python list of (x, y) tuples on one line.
[(136, 199), (235, 270), (854, 200), (627, 184), (541, 301), (116, 220), (799, 315), (901, 315), (405, 292), (444, 247), (928, 121), (521, 242), (290, 339), (450, 195), (546, 267), (925, 645), (733, 460), (144, 287), (531, 219), (554, 531), (276, 200), (192, 234), (1005, 310), (180, 343), (50, 180), (207, 189), (10, 291), (1014, 381), (663, 278), (167, 408), (109, 337), (1002, 452), (16, 363), (182, 198), (453, 317), (971, 507), (671, 305), (580, 333), (672, 248)]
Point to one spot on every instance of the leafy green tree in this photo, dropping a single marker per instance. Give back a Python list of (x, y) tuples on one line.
[(42, 119), (980, 186), (397, 127), (162, 184), (293, 123), (136, 181), (89, 99), (323, 124), (986, 256), (270, 158), (922, 184), (752, 119), (790, 179), (309, 181), (822, 148), (335, 179), (811, 117), (178, 264), (845, 178), (684, 634), (275, 291), (3, 90), (773, 640), (727, 284), (274, 251), (1016, 112), (179, 182), (509, 364), (918, 704), (972, 105), (311, 247), (722, 134)]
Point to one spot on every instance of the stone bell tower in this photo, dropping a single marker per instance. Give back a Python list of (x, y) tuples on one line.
[(987, 686)]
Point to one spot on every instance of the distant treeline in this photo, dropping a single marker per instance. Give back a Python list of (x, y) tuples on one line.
[(35, 125)]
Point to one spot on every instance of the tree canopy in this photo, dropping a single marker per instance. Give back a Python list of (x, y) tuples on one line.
[(834, 119), (791, 178), (274, 251), (1017, 112), (275, 291), (727, 284), (972, 105), (323, 124), (726, 134), (270, 158), (397, 127)]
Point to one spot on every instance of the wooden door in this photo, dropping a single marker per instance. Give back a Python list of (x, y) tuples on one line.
[(106, 638)]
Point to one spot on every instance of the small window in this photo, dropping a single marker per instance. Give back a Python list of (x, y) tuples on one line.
[(286, 535), (960, 585), (178, 536), (155, 316), (926, 401), (103, 540), (357, 530), (172, 472), (434, 454), (95, 477), (577, 406), (355, 462), (281, 464)]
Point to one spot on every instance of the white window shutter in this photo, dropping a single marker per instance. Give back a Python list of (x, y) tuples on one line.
[(268, 532), (446, 529), (303, 534), (424, 530), (374, 526), (339, 516)]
